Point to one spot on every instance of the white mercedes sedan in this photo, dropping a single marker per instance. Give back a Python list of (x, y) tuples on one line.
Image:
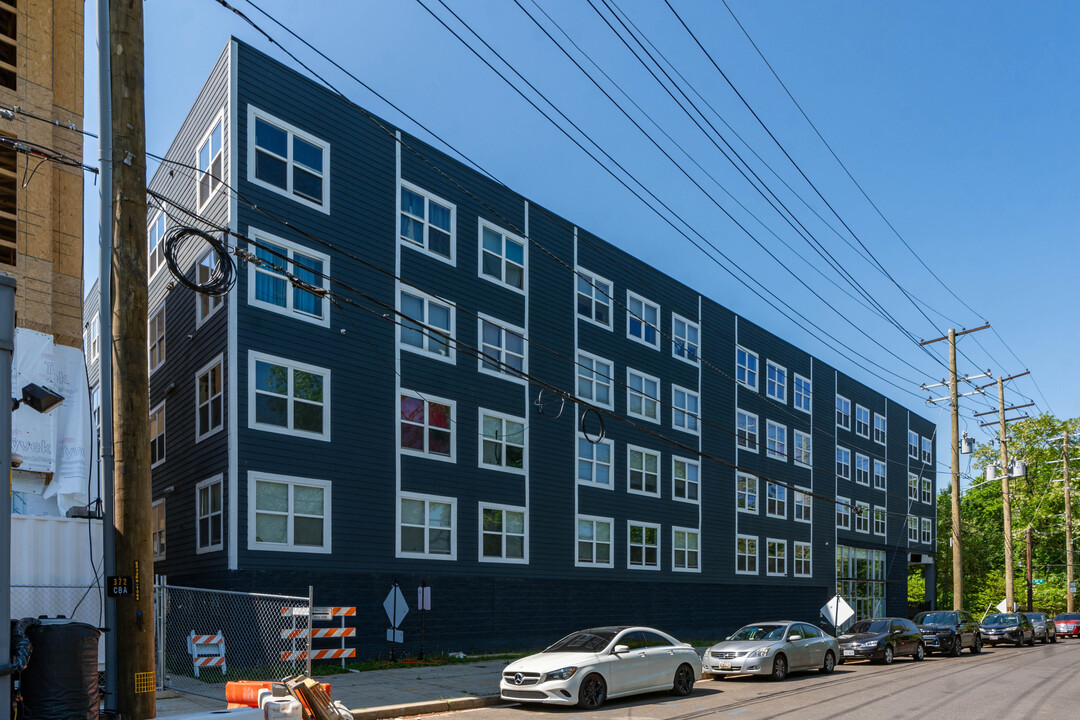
[(588, 667)]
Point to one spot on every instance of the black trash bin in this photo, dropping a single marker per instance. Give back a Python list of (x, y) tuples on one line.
[(60, 681)]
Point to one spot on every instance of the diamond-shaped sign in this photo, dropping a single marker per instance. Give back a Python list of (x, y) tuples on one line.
[(837, 611), (395, 606)]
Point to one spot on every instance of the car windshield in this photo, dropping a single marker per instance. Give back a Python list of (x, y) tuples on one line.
[(870, 626), (1002, 619), (586, 641), (1036, 616), (935, 618), (760, 632), (1068, 616)]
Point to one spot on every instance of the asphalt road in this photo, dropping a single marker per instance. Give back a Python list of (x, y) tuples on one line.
[(1042, 682)]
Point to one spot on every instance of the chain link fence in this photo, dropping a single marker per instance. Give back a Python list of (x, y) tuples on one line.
[(77, 602)]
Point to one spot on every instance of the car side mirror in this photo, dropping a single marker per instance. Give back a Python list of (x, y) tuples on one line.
[(897, 631), (621, 649), (793, 638)]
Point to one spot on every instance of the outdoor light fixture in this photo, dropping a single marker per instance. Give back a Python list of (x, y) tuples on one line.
[(39, 398)]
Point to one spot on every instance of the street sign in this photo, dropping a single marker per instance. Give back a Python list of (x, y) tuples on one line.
[(393, 635), (1072, 588), (395, 606), (837, 611), (1038, 581), (423, 598)]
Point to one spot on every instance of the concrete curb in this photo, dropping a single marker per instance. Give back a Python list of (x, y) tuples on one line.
[(425, 708)]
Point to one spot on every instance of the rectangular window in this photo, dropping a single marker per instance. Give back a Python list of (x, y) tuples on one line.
[(803, 566), (209, 400), (270, 279), (502, 441), (912, 529), (157, 435), (746, 554), (803, 451), (643, 471), (427, 324), (155, 335), (642, 396), (9, 46), (289, 397), (594, 462), (686, 555), (288, 161), (843, 412), (776, 557), (503, 533), (879, 520), (843, 513), (803, 505), (288, 513), (913, 444), (159, 529), (594, 541), (776, 381), (776, 440), (208, 515), (862, 517), (211, 164), (927, 530), (428, 223), (746, 368), (91, 336), (642, 545), (502, 349), (843, 463), (155, 248), (862, 469), (207, 270), (802, 393), (9, 156), (642, 320), (594, 379), (685, 339), (862, 421), (746, 493), (685, 409), (776, 500), (927, 450), (427, 426), (426, 527), (879, 429), (502, 257), (879, 475), (685, 480), (594, 298), (746, 430), (927, 491), (913, 487)]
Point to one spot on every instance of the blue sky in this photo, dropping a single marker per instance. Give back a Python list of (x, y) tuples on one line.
[(957, 119)]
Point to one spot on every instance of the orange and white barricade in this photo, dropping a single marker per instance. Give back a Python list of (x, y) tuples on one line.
[(207, 651), (299, 632)]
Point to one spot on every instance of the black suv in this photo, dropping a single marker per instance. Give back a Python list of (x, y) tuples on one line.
[(949, 631)]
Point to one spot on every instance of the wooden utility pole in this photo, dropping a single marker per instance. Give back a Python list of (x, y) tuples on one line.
[(1006, 501), (135, 681), (1029, 607), (1068, 532)]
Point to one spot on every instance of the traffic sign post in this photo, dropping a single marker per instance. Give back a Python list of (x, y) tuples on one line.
[(396, 609), (423, 601)]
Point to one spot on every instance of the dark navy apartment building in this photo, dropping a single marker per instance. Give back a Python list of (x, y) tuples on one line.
[(409, 427)]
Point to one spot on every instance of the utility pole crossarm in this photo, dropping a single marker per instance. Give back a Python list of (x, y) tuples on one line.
[(953, 334)]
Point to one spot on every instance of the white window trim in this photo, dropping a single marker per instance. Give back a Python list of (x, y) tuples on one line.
[(795, 435), (426, 399), (843, 506), (254, 476), (159, 215), (674, 340), (839, 449), (611, 541), (885, 515), (481, 318), (884, 486), (913, 489), (757, 494), (253, 424), (659, 471), (863, 514), (768, 512), (611, 468), (913, 455), (450, 357), (757, 372), (593, 279), (452, 260), (912, 526), (631, 295), (160, 407), (288, 310), (159, 310), (480, 557), (809, 397), (219, 121), (869, 469), (750, 446), (216, 479), (795, 559), (926, 531), (659, 391), (687, 530), (778, 542), (756, 555), (160, 502), (781, 368), (254, 112), (610, 404), (524, 289), (927, 488), (659, 546), (451, 501), (219, 361), (795, 505), (926, 450), (769, 452), (873, 432), (216, 301), (836, 409), (505, 417), (689, 462), (675, 409), (869, 421)]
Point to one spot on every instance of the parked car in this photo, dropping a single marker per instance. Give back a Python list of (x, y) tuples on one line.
[(949, 631), (774, 649), (882, 639), (590, 666), (1013, 628), (1068, 624), (1044, 627)]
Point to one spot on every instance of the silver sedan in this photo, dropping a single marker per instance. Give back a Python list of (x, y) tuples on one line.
[(774, 649)]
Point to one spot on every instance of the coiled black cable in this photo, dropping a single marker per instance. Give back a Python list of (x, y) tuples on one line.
[(222, 275)]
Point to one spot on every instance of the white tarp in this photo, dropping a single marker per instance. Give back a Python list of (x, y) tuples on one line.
[(33, 434)]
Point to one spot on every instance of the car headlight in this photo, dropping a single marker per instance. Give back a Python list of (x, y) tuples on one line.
[(870, 644), (561, 674), (1012, 628), (760, 652)]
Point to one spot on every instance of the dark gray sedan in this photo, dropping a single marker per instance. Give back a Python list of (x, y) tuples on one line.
[(1012, 628)]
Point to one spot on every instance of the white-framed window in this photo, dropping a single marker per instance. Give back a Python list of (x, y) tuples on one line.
[(927, 530), (803, 564), (503, 439), (209, 399), (803, 448), (502, 349), (776, 557), (685, 552), (288, 161), (879, 475), (428, 223), (746, 493), (288, 397), (776, 381), (427, 426), (843, 513), (912, 529), (685, 479), (642, 471), (427, 527), (804, 504), (843, 463), (594, 462), (642, 320), (775, 500), (862, 517), (685, 339), (746, 434), (879, 429), (594, 298), (862, 469), (913, 444), (155, 337), (158, 532), (594, 379), (642, 396), (208, 515), (746, 555), (746, 367), (504, 534), (927, 491), (427, 324), (155, 248), (594, 541), (288, 513), (862, 421), (502, 257), (880, 523), (269, 281), (210, 157), (843, 412), (685, 409), (776, 440), (642, 545), (157, 435), (927, 450), (802, 393), (913, 487), (92, 339), (206, 269)]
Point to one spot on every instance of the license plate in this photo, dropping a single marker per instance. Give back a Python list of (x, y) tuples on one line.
[(725, 666), (849, 652)]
